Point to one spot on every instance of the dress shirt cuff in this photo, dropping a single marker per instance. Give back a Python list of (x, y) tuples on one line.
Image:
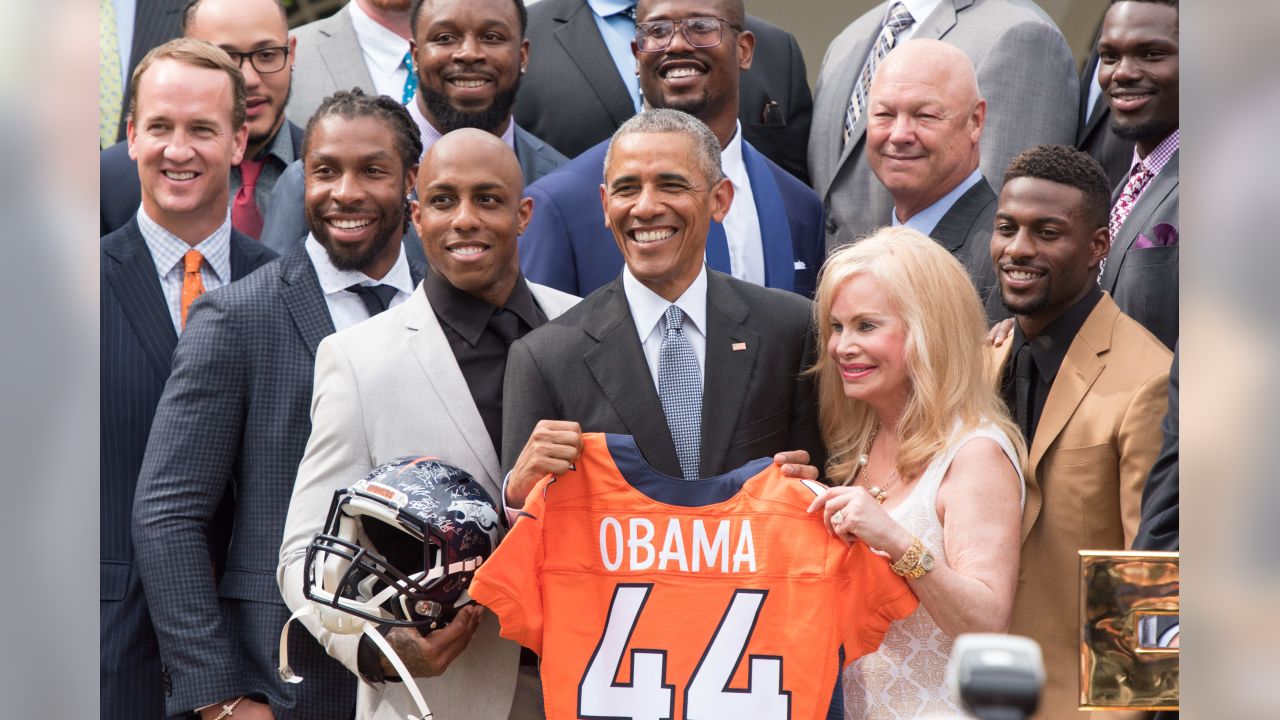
[(510, 513)]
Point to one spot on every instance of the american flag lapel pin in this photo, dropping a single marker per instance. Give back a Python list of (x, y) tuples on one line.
[(738, 346)]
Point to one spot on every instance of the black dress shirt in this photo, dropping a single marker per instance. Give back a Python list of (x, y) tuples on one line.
[(1048, 349), (479, 335)]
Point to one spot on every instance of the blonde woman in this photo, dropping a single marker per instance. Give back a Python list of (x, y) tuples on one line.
[(923, 455)]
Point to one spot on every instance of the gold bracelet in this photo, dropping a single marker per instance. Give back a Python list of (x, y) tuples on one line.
[(229, 710), (909, 559)]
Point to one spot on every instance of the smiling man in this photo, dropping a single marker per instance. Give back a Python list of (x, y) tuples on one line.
[(704, 370), (1086, 384), (427, 378), (1138, 72), (255, 33), (690, 55), (233, 424), (469, 56), (924, 123)]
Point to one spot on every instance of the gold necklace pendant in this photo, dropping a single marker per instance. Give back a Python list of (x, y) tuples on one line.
[(877, 493)]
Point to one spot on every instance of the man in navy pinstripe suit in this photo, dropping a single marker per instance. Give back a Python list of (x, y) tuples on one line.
[(184, 145)]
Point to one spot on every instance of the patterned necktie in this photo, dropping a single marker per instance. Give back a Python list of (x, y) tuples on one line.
[(1138, 179), (680, 389), (410, 81), (629, 11), (899, 19), (1022, 374), (110, 92), (244, 209), (376, 298), (192, 284)]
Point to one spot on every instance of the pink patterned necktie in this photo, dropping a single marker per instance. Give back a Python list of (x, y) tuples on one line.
[(1138, 178)]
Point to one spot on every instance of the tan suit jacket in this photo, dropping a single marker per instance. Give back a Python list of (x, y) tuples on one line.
[(1098, 436)]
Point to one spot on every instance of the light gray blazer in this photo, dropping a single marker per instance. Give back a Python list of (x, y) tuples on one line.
[(328, 58), (1025, 72), (386, 388)]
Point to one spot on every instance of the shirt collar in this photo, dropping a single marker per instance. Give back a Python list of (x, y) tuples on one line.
[(467, 314), (383, 47), (1049, 348), (919, 9), (735, 168), (167, 249), (430, 134), (647, 306), (333, 280), (927, 219), (605, 8), (1159, 157), (281, 146)]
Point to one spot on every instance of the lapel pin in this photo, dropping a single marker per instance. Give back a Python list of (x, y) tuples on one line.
[(738, 346)]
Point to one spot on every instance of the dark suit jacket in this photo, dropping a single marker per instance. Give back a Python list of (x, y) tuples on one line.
[(1144, 282), (1095, 136), (119, 190), (588, 366), (1158, 529), (235, 413), (966, 232), (568, 247), (573, 97), (285, 223), (137, 343), (155, 23)]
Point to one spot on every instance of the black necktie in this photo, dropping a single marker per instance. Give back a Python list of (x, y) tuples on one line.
[(376, 298), (505, 324), (1022, 390)]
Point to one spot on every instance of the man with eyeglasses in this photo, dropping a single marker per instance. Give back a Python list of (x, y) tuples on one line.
[(690, 55), (256, 34)]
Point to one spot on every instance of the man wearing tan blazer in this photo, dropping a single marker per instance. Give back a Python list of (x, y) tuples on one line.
[(1087, 385)]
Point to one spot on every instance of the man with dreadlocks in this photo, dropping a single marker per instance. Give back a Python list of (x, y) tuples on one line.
[(233, 422)]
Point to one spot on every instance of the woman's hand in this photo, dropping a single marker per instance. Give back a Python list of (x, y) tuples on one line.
[(850, 513)]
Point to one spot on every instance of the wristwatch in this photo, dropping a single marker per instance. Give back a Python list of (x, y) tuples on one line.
[(915, 562), (923, 565)]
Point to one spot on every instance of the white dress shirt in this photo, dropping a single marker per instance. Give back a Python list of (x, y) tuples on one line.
[(168, 251), (742, 224), (383, 53), (346, 308), (648, 308), (927, 219), (920, 11)]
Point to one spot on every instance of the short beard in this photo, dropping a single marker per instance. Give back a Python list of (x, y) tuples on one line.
[(1151, 130), (691, 106), (451, 118), (354, 258), (1031, 306)]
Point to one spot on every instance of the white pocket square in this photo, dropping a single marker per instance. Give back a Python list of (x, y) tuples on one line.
[(800, 265)]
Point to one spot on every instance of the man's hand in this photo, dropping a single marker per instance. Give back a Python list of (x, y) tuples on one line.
[(552, 448), (795, 464), (430, 655), (999, 331), (246, 709)]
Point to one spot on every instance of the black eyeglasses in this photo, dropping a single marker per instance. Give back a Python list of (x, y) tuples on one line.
[(264, 60), (701, 32)]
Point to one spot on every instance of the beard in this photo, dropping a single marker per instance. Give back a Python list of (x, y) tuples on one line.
[(355, 257), (1029, 305), (451, 118)]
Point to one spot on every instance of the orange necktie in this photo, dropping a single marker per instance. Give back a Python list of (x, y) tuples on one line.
[(192, 285)]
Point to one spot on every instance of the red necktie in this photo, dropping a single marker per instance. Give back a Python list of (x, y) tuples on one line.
[(244, 211)]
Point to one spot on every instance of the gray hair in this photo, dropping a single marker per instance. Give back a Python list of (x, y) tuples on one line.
[(707, 147)]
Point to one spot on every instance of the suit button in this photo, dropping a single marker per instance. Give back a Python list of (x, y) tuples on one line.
[(831, 227)]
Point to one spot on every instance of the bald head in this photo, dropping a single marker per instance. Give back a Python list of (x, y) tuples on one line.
[(470, 211), (924, 121)]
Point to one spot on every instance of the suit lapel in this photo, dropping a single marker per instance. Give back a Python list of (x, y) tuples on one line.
[(245, 252), (728, 372), (617, 363), (581, 41), (300, 291), (953, 229), (775, 231), (339, 48), (135, 281), (1154, 196), (434, 355)]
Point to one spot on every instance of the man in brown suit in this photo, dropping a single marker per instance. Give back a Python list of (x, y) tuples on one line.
[(1087, 385)]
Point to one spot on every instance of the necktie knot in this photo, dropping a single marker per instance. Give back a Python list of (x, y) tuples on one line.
[(191, 261), (506, 324), (899, 17), (249, 172), (675, 320), (376, 298), (629, 11)]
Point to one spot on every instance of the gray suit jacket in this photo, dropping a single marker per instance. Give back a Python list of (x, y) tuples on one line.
[(965, 231), (384, 389), (234, 414), (328, 58), (285, 223), (1025, 72), (1144, 282), (1095, 136), (588, 366)]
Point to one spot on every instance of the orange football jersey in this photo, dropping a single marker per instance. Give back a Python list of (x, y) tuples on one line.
[(651, 597)]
